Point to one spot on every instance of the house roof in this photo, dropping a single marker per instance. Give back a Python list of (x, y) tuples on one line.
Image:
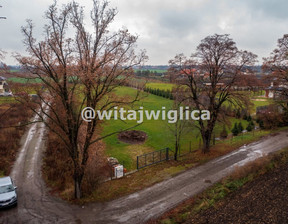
[(188, 71)]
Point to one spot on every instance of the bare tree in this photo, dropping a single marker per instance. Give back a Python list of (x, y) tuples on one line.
[(277, 65), (79, 72), (178, 127), (206, 79)]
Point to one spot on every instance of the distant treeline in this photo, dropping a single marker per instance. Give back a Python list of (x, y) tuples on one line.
[(152, 67), (147, 73)]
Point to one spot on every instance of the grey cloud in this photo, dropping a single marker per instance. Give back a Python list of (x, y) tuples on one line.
[(169, 27), (179, 23), (271, 8)]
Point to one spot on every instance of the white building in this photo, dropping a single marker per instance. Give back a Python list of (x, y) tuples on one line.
[(4, 88), (274, 92)]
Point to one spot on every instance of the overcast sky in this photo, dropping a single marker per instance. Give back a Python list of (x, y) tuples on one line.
[(167, 27)]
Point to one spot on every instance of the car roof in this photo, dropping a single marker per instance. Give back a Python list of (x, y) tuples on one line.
[(5, 181), (2, 78)]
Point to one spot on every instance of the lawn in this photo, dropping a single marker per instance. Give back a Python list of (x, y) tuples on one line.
[(24, 80), (152, 70), (7, 99), (159, 134), (161, 86), (157, 138), (260, 102)]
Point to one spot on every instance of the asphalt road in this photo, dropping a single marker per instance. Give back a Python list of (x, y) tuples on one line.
[(35, 205)]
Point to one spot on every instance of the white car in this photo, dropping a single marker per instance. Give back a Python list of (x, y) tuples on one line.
[(8, 195), (8, 94)]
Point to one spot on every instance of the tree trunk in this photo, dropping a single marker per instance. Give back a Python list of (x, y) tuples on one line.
[(78, 176), (206, 136), (176, 151), (77, 189)]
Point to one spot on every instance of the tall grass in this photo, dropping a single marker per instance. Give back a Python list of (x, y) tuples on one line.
[(14, 115)]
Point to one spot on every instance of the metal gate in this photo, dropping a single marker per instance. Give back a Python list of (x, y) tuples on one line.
[(151, 158)]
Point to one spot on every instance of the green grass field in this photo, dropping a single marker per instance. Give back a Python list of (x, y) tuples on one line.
[(152, 70), (159, 134), (14, 70), (7, 99), (24, 80), (156, 130), (161, 86), (260, 102)]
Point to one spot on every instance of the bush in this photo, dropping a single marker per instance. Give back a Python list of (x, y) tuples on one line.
[(240, 127), (235, 130), (252, 124), (271, 117), (249, 127), (224, 133), (261, 124), (238, 113), (249, 118), (58, 168)]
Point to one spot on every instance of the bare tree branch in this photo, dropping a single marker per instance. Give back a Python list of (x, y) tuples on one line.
[(206, 80), (78, 72)]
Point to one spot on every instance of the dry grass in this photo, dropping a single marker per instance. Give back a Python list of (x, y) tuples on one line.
[(58, 169), (57, 165), (10, 136), (252, 167), (214, 195)]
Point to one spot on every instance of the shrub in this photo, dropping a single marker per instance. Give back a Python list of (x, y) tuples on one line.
[(10, 136), (238, 113), (249, 127), (235, 130), (58, 168), (224, 133), (249, 118), (240, 127)]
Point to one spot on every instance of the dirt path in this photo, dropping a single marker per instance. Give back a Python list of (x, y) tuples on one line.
[(35, 205)]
